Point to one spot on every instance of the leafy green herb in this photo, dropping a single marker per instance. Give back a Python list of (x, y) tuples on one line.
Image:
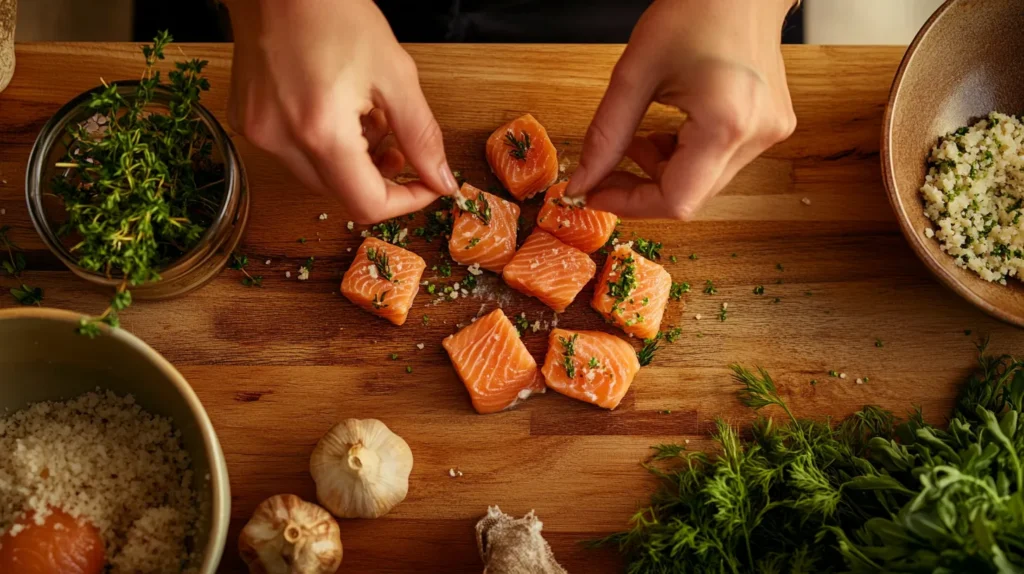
[(693, 257), (519, 146), (673, 259), (676, 291), (140, 192), (444, 269), (879, 343), (438, 222), (647, 248), (408, 370), (776, 300), (723, 313), (14, 265), (238, 263), (380, 260), (391, 231), (759, 290), (709, 288), (594, 363), (473, 243), (426, 320), (621, 288), (522, 324), (378, 300), (646, 354), (833, 373), (479, 207), (673, 334), (394, 356), (814, 382), (431, 288), (568, 354)]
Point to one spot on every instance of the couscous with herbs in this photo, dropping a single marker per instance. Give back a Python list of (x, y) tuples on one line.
[(974, 195)]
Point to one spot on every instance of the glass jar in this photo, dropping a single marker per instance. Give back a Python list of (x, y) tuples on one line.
[(190, 271), (8, 15)]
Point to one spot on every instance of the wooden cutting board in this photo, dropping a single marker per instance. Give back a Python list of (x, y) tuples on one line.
[(276, 367)]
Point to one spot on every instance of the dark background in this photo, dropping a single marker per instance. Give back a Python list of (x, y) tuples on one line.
[(569, 21)]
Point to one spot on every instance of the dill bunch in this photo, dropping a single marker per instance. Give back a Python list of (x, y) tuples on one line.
[(141, 189), (868, 494)]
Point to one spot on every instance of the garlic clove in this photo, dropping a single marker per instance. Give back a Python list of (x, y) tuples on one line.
[(361, 469), (287, 535)]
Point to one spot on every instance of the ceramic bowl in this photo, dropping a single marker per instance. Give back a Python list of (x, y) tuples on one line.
[(964, 63), (42, 358)]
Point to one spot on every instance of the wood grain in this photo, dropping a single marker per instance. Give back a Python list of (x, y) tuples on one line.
[(276, 367)]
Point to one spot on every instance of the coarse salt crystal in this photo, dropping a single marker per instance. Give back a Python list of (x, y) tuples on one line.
[(303, 273), (349, 250), (806, 201), (451, 472), (842, 375), (365, 233), (928, 232), (3, 212), (323, 216), (474, 269), (403, 234), (454, 295), (288, 274), (525, 393), (372, 270), (350, 225), (419, 346), (725, 306), (697, 316), (267, 262), (859, 381)]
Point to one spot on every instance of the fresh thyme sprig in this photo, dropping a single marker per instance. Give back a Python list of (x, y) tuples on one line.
[(569, 354), (142, 188), (646, 354), (238, 263), (378, 300), (14, 265), (478, 206), (380, 259), (520, 147)]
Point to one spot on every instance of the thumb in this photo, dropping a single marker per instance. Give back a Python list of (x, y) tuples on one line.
[(611, 131), (419, 135)]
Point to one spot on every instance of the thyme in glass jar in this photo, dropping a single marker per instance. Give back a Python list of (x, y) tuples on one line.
[(139, 183)]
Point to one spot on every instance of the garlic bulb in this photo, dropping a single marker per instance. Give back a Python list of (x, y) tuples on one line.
[(287, 535), (361, 469)]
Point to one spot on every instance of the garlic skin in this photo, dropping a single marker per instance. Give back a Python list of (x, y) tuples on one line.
[(287, 535), (361, 469)]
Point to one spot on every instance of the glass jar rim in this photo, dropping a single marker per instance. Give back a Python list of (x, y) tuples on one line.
[(50, 135)]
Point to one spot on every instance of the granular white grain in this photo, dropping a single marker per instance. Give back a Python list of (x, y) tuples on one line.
[(102, 458)]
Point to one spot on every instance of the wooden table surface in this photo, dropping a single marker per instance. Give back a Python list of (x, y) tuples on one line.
[(276, 367)]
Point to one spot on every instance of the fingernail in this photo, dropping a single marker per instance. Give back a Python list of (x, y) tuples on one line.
[(575, 187), (451, 187)]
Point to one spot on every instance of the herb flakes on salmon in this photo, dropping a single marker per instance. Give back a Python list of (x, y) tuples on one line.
[(383, 279), (632, 292), (573, 223), (484, 232), (522, 156), (590, 366)]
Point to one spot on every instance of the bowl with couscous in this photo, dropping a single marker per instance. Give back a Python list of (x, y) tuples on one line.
[(952, 151), (108, 461)]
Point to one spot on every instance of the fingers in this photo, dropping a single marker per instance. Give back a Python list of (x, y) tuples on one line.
[(611, 131), (418, 134), (628, 195)]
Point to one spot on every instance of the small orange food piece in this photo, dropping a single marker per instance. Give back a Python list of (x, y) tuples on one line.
[(60, 545), (522, 156), (383, 279), (493, 363), (484, 231), (590, 366), (584, 228), (632, 292), (549, 270)]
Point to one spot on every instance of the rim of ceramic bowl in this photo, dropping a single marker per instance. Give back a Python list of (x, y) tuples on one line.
[(888, 177), (221, 503), (49, 137)]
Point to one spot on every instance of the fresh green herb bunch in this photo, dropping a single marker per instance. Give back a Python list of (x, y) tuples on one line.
[(142, 188), (864, 495)]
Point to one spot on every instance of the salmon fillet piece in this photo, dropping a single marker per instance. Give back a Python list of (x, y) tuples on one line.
[(521, 154), (632, 292), (383, 279), (584, 228), (549, 270), (493, 363), (484, 231), (591, 366)]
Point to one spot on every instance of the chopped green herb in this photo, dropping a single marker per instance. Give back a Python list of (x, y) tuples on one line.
[(723, 313), (408, 370), (649, 249), (646, 354), (676, 291), (469, 282), (473, 243), (519, 147), (431, 288), (673, 259), (673, 334), (709, 288), (693, 257), (665, 412), (833, 373), (776, 300), (378, 300), (568, 352), (626, 283), (444, 269), (814, 382), (391, 231), (780, 267), (394, 356), (759, 290), (594, 363), (302, 240), (309, 264), (522, 324), (238, 263), (438, 224), (426, 320), (879, 343), (27, 295), (252, 280)]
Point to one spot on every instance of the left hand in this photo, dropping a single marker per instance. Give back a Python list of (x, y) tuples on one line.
[(720, 63)]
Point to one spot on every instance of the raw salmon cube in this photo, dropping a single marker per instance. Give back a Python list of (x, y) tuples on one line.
[(383, 279), (522, 156), (484, 231), (549, 270), (590, 366), (574, 224), (632, 292), (493, 363)]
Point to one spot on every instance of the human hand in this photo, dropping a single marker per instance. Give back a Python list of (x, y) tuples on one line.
[(721, 64), (318, 84)]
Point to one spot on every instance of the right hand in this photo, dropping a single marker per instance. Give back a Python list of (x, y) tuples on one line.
[(317, 83)]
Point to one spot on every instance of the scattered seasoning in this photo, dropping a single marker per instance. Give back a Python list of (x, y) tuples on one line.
[(350, 225), (697, 316), (776, 300), (672, 258), (647, 248), (238, 263), (473, 243), (665, 412), (302, 240), (842, 375), (814, 382), (967, 332), (646, 354), (478, 207), (323, 216), (594, 363), (408, 370), (14, 265), (709, 288), (380, 260), (806, 201), (859, 381), (676, 291), (833, 373), (879, 343), (673, 334), (426, 320), (520, 147), (454, 473), (626, 283), (693, 256), (287, 274), (568, 352), (780, 267), (420, 346), (724, 313), (391, 231), (378, 300), (394, 356), (759, 290)]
